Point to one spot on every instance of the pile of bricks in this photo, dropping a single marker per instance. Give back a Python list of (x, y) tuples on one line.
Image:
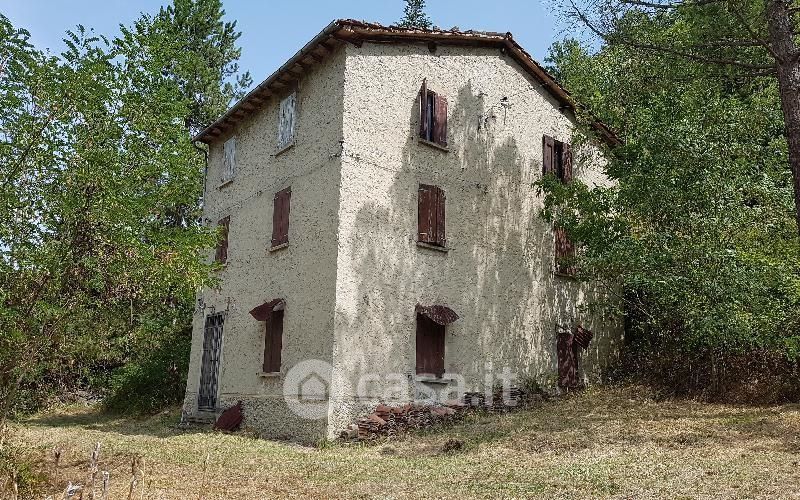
[(390, 421), (393, 420)]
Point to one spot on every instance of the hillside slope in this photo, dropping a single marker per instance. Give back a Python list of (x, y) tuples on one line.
[(602, 443)]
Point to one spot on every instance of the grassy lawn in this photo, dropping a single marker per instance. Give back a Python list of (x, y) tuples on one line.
[(615, 443)]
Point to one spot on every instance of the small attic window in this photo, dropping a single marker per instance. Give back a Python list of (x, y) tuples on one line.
[(286, 120), (229, 160)]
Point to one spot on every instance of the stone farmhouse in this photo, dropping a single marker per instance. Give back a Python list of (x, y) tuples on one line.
[(379, 217)]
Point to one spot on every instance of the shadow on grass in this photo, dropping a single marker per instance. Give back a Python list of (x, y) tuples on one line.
[(162, 425)]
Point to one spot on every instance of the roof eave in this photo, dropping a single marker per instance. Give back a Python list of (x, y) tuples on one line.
[(357, 32), (263, 90)]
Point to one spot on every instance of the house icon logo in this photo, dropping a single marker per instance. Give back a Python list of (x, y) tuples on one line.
[(313, 388), (306, 389)]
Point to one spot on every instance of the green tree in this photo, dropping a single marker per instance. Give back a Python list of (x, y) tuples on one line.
[(697, 233), (191, 45), (751, 38), (195, 48), (414, 15), (101, 245)]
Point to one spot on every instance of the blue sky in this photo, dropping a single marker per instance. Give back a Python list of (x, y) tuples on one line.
[(273, 31)]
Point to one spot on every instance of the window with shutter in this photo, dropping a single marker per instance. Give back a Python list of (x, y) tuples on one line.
[(567, 350), (430, 347), (557, 159), (548, 155), (565, 253), (565, 163), (439, 133), (222, 247), (431, 216), (280, 218), (432, 116), (273, 342), (287, 115), (229, 160)]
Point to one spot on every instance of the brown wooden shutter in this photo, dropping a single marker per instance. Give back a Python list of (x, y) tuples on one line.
[(424, 125), (427, 210), (277, 209), (222, 247), (440, 120), (430, 347), (273, 342), (567, 360), (548, 155), (440, 217), (287, 196), (280, 217), (566, 163)]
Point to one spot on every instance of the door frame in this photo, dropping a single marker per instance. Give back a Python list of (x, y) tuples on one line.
[(216, 374)]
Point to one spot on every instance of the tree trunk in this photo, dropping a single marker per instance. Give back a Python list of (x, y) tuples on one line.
[(779, 23)]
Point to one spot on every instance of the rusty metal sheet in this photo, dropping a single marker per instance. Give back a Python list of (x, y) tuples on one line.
[(583, 337), (439, 314), (230, 418), (262, 312)]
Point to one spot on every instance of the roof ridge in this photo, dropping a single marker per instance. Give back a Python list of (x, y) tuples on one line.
[(341, 31)]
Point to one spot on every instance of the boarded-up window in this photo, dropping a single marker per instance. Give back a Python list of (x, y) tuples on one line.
[(430, 347), (557, 159), (273, 341), (280, 217), (432, 116), (221, 255), (286, 120), (431, 215), (229, 159)]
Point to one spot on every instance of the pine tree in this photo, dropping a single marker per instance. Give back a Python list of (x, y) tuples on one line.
[(198, 50), (414, 15)]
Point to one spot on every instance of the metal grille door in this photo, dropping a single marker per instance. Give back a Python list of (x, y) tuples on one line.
[(209, 371)]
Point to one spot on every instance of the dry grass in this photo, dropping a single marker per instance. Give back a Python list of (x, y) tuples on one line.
[(607, 443)]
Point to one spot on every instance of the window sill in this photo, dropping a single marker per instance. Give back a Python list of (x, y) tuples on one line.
[(432, 380), (279, 247), (269, 374), (434, 145), (429, 246), (283, 149), (225, 183)]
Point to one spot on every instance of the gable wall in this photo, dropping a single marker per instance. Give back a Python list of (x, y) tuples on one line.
[(303, 273), (498, 273)]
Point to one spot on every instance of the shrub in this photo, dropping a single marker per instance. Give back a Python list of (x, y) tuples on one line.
[(152, 380)]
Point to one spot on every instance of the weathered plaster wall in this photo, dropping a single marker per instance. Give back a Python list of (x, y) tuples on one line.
[(353, 273), (498, 274), (304, 273)]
